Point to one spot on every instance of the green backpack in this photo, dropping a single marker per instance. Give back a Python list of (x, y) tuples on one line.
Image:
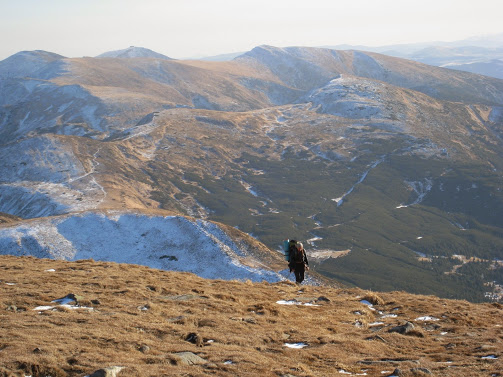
[(287, 244)]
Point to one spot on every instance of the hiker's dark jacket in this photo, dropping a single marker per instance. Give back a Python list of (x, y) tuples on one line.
[(295, 262), (298, 263)]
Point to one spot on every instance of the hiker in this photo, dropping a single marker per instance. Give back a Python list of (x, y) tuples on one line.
[(298, 261)]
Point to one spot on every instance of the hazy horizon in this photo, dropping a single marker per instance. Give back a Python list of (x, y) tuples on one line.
[(195, 28)]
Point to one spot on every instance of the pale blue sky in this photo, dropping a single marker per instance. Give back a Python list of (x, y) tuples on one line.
[(188, 28)]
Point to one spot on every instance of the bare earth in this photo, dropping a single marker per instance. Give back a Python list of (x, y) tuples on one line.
[(148, 321)]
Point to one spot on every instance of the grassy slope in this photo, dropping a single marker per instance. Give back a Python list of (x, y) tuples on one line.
[(299, 186), (379, 234), (243, 321)]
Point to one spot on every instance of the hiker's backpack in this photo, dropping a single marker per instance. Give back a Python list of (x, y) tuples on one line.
[(287, 244)]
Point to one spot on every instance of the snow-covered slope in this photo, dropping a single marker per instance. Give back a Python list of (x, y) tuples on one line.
[(133, 52), (165, 242), (308, 68), (351, 97), (28, 63), (38, 105)]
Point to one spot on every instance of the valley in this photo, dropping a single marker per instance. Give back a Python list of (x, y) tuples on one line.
[(381, 157)]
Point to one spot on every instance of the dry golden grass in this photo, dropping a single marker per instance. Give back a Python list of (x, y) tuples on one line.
[(5, 218), (141, 319)]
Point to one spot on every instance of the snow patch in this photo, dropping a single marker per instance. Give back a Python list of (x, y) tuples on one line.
[(343, 371), (350, 98), (420, 188), (374, 324), (324, 254), (368, 303), (43, 308), (389, 316), (311, 241), (296, 345), (340, 199), (489, 357), (193, 246), (295, 302), (427, 318), (66, 306), (249, 188), (40, 199)]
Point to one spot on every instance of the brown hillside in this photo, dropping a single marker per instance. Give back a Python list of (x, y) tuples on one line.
[(148, 84), (5, 218), (144, 320)]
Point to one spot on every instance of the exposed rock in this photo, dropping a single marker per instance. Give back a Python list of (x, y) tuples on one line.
[(420, 371), (486, 347), (432, 327), (144, 349), (107, 372), (206, 322), (377, 337), (169, 257), (305, 299), (144, 307), (322, 299), (194, 338), (396, 373), (180, 320), (187, 358), (403, 329)]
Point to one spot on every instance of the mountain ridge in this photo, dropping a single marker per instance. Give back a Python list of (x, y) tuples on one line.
[(133, 52), (311, 144), (487, 50)]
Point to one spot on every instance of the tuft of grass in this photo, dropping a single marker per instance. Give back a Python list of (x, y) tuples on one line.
[(373, 298)]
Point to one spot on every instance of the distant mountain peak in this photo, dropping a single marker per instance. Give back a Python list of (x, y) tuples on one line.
[(47, 55), (39, 56), (28, 63), (133, 52)]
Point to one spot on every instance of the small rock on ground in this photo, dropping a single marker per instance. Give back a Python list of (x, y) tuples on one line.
[(403, 329), (189, 358)]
